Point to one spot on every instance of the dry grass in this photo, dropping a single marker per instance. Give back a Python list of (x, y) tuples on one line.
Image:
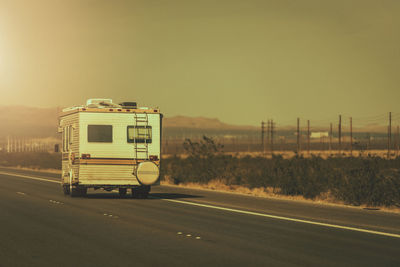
[(318, 153), (55, 171), (220, 186)]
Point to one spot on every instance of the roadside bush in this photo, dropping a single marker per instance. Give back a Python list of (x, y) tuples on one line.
[(354, 180), (369, 182), (40, 160)]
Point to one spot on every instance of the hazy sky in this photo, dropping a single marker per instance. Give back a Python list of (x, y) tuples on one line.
[(239, 61)]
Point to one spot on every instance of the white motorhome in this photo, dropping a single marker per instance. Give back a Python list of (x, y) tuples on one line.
[(110, 146)]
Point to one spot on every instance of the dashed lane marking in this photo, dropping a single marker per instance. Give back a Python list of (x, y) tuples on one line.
[(55, 202), (242, 211), (21, 193), (189, 235), (110, 215)]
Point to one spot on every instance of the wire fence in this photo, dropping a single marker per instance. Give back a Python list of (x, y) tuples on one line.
[(344, 135), (12, 144)]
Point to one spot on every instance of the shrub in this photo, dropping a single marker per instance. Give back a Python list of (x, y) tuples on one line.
[(41, 160), (354, 180)]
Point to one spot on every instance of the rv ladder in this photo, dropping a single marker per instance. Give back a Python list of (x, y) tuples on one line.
[(140, 148)]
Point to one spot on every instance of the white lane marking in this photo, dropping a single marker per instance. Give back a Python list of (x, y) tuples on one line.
[(55, 202), (30, 177), (179, 233), (285, 218), (198, 237), (110, 215), (21, 193), (243, 211), (188, 235)]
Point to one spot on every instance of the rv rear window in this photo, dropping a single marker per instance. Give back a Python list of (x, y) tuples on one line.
[(100, 133), (139, 134)]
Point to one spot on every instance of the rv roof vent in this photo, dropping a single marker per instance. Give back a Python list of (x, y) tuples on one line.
[(128, 105), (99, 102)]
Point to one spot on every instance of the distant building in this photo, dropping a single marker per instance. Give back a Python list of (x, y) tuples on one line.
[(319, 134)]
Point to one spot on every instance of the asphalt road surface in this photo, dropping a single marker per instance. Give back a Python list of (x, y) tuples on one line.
[(39, 226)]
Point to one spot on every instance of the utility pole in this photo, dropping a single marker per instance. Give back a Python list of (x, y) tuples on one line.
[(298, 136), (389, 134), (308, 137), (351, 136), (262, 136), (272, 136), (369, 141), (8, 144), (340, 134), (330, 139), (268, 134), (397, 141)]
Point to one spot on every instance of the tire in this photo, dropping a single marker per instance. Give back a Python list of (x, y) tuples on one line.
[(144, 194), (122, 192), (135, 193), (83, 191), (66, 189), (78, 191), (141, 192), (74, 192)]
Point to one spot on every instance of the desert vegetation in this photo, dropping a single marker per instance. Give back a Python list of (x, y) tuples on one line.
[(362, 180), (372, 181), (35, 160)]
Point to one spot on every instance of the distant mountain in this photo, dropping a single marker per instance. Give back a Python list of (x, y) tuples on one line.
[(202, 123), (42, 122), (28, 121)]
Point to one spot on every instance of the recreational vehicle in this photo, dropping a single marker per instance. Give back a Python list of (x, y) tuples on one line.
[(110, 146)]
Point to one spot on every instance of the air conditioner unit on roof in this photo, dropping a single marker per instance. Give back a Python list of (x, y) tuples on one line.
[(99, 101)]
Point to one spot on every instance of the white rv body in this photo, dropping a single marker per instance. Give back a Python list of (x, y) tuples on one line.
[(110, 147)]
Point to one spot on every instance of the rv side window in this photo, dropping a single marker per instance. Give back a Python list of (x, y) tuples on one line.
[(64, 134), (139, 134), (70, 135), (100, 133), (67, 139)]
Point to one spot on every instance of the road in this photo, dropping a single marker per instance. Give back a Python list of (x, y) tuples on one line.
[(183, 227)]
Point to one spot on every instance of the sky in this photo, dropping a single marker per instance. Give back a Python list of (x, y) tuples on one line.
[(239, 61)]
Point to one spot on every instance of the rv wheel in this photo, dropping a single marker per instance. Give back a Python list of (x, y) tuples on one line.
[(144, 194), (74, 192), (134, 193), (140, 192), (83, 192), (66, 189), (78, 191), (122, 192)]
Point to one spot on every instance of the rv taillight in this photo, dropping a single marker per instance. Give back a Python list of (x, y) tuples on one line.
[(85, 156), (153, 157)]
